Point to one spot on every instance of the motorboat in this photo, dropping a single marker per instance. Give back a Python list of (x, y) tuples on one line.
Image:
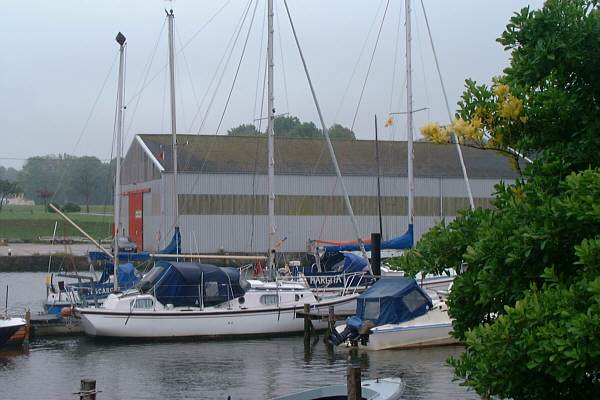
[(373, 389), (8, 327), (396, 313), (187, 299)]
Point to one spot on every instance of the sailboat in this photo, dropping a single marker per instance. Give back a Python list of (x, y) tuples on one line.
[(118, 272), (187, 299), (332, 257), (395, 312)]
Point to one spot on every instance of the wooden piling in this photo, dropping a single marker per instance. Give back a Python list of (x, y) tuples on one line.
[(27, 328), (331, 321), (307, 324), (87, 389), (354, 384)]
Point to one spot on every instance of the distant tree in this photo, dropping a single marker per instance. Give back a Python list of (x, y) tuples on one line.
[(7, 189), (10, 174), (84, 178), (338, 131), (45, 194), (292, 127), (244, 130)]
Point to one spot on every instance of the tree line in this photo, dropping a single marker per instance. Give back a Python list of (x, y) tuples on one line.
[(60, 179)]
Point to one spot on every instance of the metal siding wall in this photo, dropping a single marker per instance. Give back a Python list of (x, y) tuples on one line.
[(210, 233)]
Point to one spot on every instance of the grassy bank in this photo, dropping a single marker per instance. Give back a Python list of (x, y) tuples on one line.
[(29, 223)]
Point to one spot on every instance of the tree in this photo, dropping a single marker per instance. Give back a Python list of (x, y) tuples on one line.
[(244, 130), (7, 189), (288, 126), (45, 194), (85, 178), (526, 302), (338, 131)]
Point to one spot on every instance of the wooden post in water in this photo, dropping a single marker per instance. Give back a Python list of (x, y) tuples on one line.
[(307, 324), (354, 384), (87, 389), (27, 328), (331, 321)]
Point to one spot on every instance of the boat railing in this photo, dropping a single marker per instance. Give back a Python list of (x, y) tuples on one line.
[(351, 283)]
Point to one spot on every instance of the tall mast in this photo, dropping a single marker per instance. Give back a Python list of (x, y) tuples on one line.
[(409, 120), (271, 137), (117, 214), (336, 166), (170, 17)]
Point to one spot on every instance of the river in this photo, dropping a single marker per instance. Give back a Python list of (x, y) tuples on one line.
[(242, 369)]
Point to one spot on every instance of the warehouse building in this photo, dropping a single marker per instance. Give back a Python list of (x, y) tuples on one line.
[(222, 190)]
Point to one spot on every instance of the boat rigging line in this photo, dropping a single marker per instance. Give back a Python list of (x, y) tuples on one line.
[(455, 139), (362, 91), (238, 67), (362, 50), (139, 92), (86, 123), (329, 144)]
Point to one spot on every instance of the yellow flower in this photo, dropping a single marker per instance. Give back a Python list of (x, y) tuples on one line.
[(501, 90), (511, 108), (434, 133), (389, 121)]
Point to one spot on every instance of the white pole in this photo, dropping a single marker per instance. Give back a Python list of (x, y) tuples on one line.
[(361, 245), (409, 119), (271, 137), (170, 17), (117, 214)]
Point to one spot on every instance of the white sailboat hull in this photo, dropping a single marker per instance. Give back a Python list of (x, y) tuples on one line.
[(197, 323)]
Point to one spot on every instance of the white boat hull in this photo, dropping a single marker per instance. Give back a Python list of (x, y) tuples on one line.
[(431, 329), (197, 323)]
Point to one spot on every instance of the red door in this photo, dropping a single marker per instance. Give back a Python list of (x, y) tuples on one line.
[(136, 218)]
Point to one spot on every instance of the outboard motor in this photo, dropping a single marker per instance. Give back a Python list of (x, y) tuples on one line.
[(356, 330)]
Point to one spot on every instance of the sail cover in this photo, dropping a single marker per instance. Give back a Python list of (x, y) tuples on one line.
[(193, 284), (404, 241), (392, 300), (127, 278), (175, 246)]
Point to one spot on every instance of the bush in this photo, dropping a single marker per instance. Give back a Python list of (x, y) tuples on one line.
[(71, 207)]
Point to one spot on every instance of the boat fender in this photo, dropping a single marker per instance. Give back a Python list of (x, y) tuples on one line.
[(66, 312)]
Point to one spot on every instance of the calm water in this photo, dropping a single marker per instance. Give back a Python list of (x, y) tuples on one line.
[(242, 369)]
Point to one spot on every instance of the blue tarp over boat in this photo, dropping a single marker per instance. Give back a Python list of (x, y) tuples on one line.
[(127, 278), (404, 241), (174, 247), (182, 283), (392, 300)]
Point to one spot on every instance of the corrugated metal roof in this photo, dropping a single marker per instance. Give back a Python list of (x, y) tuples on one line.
[(306, 156)]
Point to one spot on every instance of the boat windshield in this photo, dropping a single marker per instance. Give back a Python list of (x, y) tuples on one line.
[(150, 279)]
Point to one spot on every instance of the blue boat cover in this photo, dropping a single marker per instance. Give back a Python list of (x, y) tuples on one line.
[(127, 278), (99, 256), (174, 247), (392, 300), (404, 241), (183, 283)]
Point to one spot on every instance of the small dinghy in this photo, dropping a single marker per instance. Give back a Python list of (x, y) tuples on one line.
[(374, 389)]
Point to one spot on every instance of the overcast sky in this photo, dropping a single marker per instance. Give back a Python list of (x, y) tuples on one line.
[(56, 56)]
